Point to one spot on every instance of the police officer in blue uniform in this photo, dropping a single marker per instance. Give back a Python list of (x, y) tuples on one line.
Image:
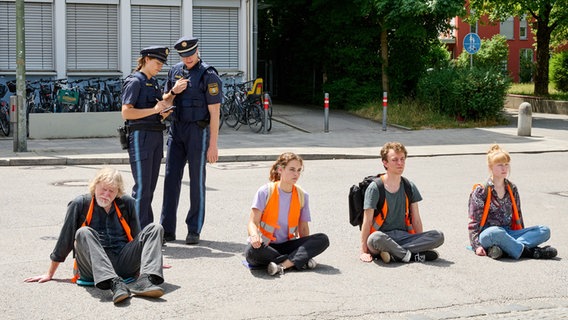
[(143, 109), (195, 88)]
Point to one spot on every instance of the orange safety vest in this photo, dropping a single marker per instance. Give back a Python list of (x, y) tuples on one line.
[(381, 217), (87, 222), (269, 218), (516, 223)]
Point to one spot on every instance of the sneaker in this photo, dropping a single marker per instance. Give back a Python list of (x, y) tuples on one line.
[(547, 252), (119, 290), (428, 255), (144, 287), (385, 256), (274, 269), (311, 264), (192, 238), (494, 252)]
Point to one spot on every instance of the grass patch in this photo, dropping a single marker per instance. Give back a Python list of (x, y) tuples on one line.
[(527, 89), (413, 115)]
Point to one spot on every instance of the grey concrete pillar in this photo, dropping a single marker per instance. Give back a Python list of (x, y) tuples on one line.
[(525, 120)]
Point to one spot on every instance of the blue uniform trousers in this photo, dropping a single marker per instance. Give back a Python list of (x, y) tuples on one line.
[(187, 143), (146, 151)]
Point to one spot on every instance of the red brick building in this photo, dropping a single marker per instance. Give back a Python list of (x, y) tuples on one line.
[(517, 31)]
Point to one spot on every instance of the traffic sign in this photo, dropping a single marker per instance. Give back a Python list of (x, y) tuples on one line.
[(471, 43)]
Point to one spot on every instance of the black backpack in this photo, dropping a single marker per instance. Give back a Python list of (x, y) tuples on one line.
[(357, 197)]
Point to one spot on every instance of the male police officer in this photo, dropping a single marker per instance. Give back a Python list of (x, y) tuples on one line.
[(143, 111), (195, 88)]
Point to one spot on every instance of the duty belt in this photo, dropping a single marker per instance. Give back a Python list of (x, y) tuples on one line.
[(146, 126)]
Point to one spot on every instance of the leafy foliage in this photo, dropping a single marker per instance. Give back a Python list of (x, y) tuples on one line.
[(468, 93), (549, 21), (329, 46), (491, 54), (559, 71)]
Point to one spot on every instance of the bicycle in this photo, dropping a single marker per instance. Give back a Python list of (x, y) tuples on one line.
[(243, 111)]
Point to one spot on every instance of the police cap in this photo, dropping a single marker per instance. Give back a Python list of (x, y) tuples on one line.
[(186, 46), (160, 53)]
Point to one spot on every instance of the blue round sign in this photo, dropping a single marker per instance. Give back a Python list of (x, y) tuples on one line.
[(471, 43)]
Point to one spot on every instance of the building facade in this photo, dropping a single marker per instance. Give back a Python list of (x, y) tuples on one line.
[(520, 40), (103, 38)]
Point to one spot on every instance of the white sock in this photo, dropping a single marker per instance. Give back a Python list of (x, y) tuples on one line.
[(407, 256)]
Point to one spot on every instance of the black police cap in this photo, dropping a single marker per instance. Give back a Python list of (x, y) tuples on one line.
[(160, 53)]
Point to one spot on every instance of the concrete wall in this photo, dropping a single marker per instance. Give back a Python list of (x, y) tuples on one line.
[(74, 125), (540, 105)]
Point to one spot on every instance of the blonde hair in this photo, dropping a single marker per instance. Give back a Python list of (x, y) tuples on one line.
[(282, 162), (497, 155), (110, 176)]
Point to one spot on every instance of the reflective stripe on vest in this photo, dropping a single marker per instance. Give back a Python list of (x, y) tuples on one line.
[(515, 219), (87, 222), (382, 216), (269, 218)]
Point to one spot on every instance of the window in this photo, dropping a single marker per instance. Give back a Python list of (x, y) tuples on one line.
[(523, 29), (38, 33), (218, 33), (155, 26), (507, 29), (473, 27), (92, 37)]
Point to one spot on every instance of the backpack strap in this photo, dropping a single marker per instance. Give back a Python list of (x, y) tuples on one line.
[(382, 194)]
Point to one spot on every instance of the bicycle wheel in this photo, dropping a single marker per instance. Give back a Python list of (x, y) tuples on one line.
[(255, 117), (4, 122), (233, 115), (222, 114)]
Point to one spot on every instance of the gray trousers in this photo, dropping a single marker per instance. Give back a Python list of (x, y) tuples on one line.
[(398, 242), (142, 255)]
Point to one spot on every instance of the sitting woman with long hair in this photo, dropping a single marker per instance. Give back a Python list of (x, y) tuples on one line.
[(279, 235)]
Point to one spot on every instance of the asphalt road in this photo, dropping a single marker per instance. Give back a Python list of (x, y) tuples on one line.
[(209, 281)]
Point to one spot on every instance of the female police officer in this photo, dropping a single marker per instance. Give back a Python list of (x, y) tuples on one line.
[(143, 109)]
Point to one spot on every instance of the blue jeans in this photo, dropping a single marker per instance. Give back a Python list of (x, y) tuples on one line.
[(512, 242)]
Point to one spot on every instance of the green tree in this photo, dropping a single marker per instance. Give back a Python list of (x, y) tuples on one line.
[(408, 29), (326, 45), (546, 17)]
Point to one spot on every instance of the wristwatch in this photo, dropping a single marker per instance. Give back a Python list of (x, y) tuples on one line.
[(172, 92)]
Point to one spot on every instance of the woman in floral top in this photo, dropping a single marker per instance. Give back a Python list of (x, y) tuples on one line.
[(499, 229)]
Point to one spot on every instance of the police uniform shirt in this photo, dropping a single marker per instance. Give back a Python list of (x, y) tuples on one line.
[(211, 83), (131, 92)]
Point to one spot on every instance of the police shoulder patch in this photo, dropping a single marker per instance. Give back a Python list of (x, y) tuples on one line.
[(213, 88)]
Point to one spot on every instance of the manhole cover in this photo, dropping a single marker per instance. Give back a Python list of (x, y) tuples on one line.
[(71, 183), (240, 165), (42, 168)]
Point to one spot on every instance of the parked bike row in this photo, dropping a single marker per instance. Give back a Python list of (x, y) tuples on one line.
[(243, 103), (62, 95)]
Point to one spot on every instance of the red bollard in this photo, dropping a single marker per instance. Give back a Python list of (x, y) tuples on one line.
[(326, 113), (266, 105), (385, 111)]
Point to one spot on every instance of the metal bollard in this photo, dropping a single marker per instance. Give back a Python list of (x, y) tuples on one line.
[(385, 111), (326, 113), (266, 105), (525, 120)]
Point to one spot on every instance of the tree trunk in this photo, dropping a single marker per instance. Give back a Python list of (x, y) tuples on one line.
[(543, 32)]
